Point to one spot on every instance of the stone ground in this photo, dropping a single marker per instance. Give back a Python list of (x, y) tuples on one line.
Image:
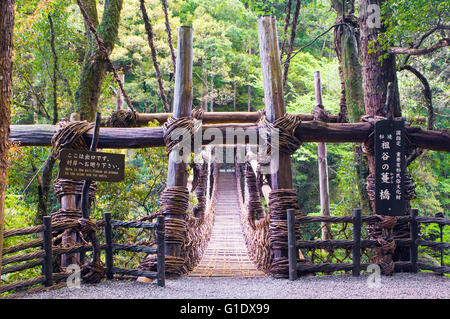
[(399, 286)]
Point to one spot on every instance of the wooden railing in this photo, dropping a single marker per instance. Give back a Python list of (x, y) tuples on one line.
[(356, 244), (44, 257), (159, 275)]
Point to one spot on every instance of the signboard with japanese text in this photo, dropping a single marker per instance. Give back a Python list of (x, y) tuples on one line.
[(389, 167), (94, 166)]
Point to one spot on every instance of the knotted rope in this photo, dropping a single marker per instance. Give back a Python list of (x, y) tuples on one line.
[(285, 126), (189, 231), (256, 238), (184, 125), (122, 118), (279, 202), (319, 113), (70, 135), (254, 205)]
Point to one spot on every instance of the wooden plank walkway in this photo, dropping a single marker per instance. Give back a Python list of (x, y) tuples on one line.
[(226, 254)]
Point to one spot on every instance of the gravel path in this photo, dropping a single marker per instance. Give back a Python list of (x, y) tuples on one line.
[(399, 286)]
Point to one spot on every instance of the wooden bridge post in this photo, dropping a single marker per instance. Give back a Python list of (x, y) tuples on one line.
[(182, 107), (273, 93), (47, 245), (356, 252), (281, 172), (323, 165), (292, 245), (108, 249), (413, 236), (161, 263)]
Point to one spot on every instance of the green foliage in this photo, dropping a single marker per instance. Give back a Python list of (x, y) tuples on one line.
[(226, 63)]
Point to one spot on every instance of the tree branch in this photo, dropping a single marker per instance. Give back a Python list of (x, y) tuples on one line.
[(414, 51), (312, 42), (149, 30), (426, 91)]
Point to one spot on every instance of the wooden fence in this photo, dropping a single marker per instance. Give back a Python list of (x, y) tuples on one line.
[(159, 275), (357, 244), (44, 257)]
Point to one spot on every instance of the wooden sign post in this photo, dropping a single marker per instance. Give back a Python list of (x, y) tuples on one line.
[(389, 167)]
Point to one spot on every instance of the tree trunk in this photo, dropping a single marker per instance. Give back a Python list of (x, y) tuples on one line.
[(94, 65), (211, 103), (6, 43), (348, 52), (234, 95), (376, 76), (55, 71)]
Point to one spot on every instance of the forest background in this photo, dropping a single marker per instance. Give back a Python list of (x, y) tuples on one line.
[(51, 45)]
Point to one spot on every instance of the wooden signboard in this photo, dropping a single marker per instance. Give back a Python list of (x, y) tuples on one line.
[(389, 167), (93, 166)]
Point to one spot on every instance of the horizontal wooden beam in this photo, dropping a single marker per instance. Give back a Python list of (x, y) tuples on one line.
[(217, 117), (308, 131), (143, 119)]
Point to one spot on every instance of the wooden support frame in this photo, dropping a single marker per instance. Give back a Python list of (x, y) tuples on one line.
[(159, 226), (182, 107), (47, 266), (413, 236), (322, 164), (281, 170), (356, 249), (292, 245), (309, 131)]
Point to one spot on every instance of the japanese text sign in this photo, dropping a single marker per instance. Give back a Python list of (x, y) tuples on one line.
[(94, 166), (389, 167)]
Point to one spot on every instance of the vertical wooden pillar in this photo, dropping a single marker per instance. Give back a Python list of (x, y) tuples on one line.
[(323, 165), (108, 249), (292, 245), (48, 259), (413, 235), (281, 174), (161, 263), (70, 202), (182, 106), (356, 253)]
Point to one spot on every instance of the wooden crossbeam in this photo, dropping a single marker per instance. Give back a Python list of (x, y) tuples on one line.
[(308, 131), (218, 117)]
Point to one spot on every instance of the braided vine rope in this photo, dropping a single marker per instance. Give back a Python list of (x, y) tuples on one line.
[(256, 238), (279, 202), (174, 126), (191, 232), (122, 118), (285, 125), (70, 135)]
